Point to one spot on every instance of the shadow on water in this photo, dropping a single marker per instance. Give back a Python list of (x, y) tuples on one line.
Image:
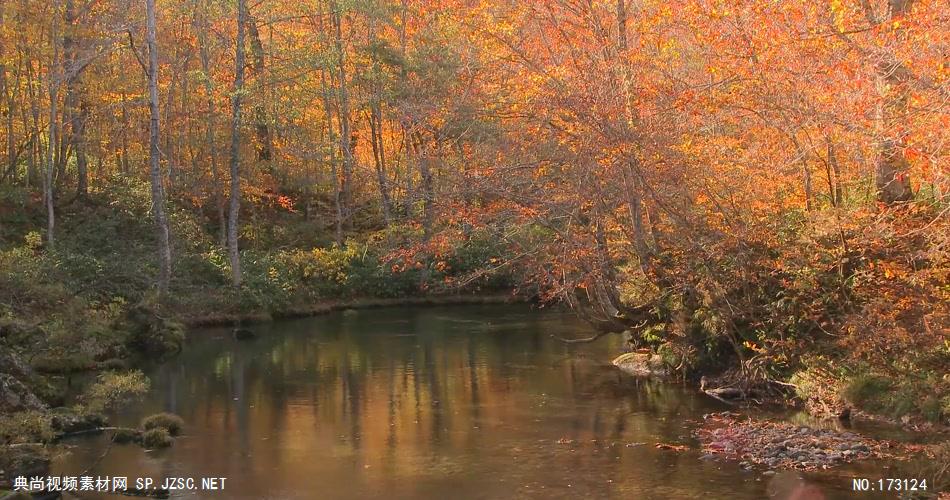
[(454, 402)]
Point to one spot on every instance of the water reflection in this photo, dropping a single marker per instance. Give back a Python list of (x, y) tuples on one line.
[(474, 402)]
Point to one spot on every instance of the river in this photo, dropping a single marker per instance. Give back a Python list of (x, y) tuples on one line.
[(441, 402)]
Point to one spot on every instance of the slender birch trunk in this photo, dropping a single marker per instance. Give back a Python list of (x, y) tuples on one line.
[(235, 166), (155, 172)]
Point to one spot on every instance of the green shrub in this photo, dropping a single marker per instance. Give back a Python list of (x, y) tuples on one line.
[(168, 421), (931, 408), (265, 285), (866, 389)]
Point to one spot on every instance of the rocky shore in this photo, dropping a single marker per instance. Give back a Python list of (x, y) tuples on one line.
[(781, 445)]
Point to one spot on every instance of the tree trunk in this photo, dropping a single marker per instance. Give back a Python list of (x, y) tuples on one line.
[(235, 167), (209, 128), (11, 157), (834, 176), (78, 131), (8, 97), (36, 149), (806, 175), (337, 201), (376, 130), (424, 153), (630, 168), (331, 140), (54, 83), (346, 141), (75, 113), (265, 143), (50, 160), (379, 157), (155, 172), (892, 176), (125, 167), (168, 151)]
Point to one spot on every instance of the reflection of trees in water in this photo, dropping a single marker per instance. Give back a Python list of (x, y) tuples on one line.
[(410, 397), (408, 404)]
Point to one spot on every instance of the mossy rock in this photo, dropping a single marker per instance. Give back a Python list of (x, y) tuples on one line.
[(63, 363), (642, 364), (11, 364), (243, 334), (157, 438), (168, 421), (16, 396), (124, 436), (152, 334), (112, 364), (67, 421)]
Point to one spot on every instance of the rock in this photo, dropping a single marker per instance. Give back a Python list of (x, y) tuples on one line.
[(113, 364), (123, 436), (16, 396), (721, 446), (641, 364), (27, 460), (708, 456), (860, 448), (12, 365), (147, 492), (68, 422), (243, 334), (769, 473)]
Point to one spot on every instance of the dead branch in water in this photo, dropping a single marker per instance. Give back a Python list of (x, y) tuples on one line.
[(584, 340)]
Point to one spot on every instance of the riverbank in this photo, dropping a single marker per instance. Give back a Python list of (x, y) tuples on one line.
[(194, 320)]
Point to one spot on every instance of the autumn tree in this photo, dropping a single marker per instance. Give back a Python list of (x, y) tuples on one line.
[(235, 161)]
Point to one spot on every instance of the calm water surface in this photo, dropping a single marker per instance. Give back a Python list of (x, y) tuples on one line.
[(454, 402)]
